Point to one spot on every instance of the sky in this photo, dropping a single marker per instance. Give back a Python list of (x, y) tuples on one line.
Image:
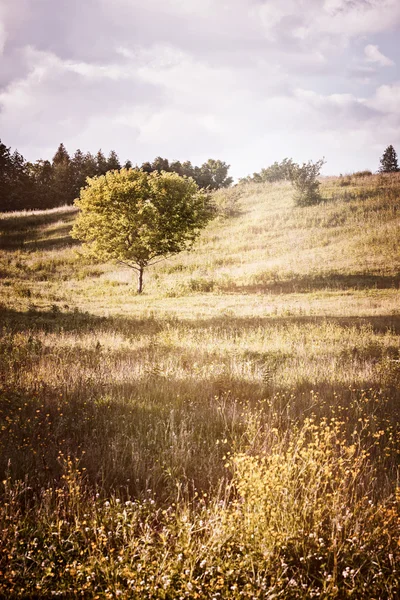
[(246, 81)]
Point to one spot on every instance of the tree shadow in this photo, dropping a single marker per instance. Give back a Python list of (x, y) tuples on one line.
[(34, 232), (307, 284), (31, 219), (55, 321)]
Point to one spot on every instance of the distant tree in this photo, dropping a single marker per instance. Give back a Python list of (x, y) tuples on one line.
[(305, 182), (89, 165), (146, 167), (41, 174), (113, 163), (5, 177), (128, 164), (202, 177), (22, 193), (216, 172), (187, 169), (61, 156), (63, 192), (278, 171), (138, 219), (176, 167), (389, 163), (101, 163), (78, 172), (160, 164)]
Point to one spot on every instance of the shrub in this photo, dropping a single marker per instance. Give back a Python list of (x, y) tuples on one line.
[(305, 182)]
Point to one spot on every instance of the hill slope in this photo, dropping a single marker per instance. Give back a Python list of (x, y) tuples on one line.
[(233, 430)]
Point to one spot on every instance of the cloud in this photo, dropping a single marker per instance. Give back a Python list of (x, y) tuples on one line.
[(386, 99), (247, 81), (373, 55), (58, 99), (3, 37)]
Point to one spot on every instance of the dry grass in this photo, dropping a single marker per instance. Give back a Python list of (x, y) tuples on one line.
[(238, 421)]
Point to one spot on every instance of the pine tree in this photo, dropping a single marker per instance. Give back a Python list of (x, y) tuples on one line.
[(388, 161), (22, 186), (41, 176), (113, 163), (5, 177), (102, 166), (160, 164), (78, 172), (89, 165), (63, 192)]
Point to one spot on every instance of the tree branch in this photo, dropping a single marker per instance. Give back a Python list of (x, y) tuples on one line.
[(121, 262), (160, 260)]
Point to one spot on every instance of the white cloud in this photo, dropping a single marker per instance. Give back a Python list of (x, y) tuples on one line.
[(387, 99), (249, 81), (373, 55)]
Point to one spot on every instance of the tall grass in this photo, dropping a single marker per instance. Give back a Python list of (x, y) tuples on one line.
[(231, 433)]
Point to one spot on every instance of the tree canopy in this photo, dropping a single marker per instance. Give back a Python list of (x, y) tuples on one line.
[(137, 218)]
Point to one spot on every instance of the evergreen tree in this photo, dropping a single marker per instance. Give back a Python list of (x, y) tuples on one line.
[(160, 164), (41, 177), (16, 186), (101, 163), (63, 192), (128, 164), (89, 165), (389, 163), (22, 193), (78, 172), (113, 163), (5, 177)]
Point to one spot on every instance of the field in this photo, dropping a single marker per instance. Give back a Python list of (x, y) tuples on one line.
[(233, 432)]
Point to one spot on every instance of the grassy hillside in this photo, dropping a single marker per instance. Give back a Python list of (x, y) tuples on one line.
[(230, 433)]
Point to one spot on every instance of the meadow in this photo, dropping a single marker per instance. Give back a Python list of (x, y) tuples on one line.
[(232, 432)]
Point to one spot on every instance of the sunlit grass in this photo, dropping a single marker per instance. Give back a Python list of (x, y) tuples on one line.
[(232, 432)]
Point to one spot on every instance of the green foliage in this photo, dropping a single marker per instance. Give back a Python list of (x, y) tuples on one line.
[(305, 182), (212, 175), (136, 218), (389, 163), (15, 184), (278, 171)]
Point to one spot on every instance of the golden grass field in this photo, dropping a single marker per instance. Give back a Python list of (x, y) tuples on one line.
[(230, 433)]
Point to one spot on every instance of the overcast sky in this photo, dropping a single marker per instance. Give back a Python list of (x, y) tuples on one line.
[(246, 81)]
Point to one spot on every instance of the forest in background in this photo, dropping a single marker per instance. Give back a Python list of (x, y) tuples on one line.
[(47, 184)]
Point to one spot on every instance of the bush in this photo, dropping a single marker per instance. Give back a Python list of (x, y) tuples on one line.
[(305, 182)]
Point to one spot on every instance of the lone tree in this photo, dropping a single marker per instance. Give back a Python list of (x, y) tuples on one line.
[(138, 218), (305, 182), (388, 161)]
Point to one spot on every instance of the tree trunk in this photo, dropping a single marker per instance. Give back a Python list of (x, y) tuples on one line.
[(140, 280)]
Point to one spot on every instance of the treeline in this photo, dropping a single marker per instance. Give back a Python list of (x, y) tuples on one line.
[(47, 184), (278, 171)]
